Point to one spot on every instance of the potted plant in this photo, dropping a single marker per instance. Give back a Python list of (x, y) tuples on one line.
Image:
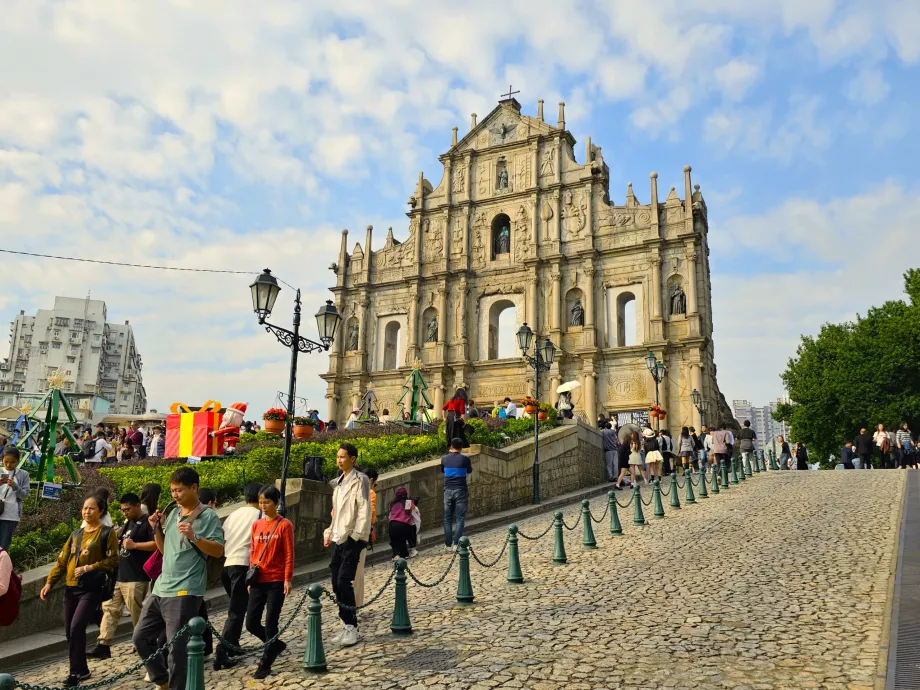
[(274, 420), (654, 411), (530, 405), (303, 427)]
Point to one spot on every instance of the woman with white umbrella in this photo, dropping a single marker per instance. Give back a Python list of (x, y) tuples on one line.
[(564, 402)]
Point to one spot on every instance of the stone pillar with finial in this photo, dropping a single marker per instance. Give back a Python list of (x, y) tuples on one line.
[(453, 137), (540, 110), (561, 123), (472, 121)]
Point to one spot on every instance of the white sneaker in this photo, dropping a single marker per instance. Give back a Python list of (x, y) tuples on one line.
[(448, 549), (349, 636), (413, 553), (337, 638), (147, 677)]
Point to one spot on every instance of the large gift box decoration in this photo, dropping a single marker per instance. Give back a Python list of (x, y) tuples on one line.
[(189, 433)]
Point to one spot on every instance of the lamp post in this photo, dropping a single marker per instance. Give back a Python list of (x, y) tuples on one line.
[(541, 360), (265, 291), (658, 371), (702, 406)]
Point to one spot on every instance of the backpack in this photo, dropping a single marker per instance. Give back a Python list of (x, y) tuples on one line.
[(9, 602), (89, 448)]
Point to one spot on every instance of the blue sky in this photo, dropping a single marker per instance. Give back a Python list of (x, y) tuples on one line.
[(243, 135)]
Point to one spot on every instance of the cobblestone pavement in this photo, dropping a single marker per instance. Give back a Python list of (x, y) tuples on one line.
[(780, 582)]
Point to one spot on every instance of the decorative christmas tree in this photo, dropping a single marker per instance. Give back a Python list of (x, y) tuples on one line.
[(415, 386), (46, 431)]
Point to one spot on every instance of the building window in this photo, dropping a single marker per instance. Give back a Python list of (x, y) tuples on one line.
[(626, 319), (391, 345), (61, 321), (73, 348), (502, 330), (71, 360), (124, 397), (55, 346)]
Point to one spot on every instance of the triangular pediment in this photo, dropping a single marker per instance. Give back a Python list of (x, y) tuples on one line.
[(504, 125)]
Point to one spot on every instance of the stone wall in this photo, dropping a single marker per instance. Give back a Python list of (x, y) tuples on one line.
[(571, 458)]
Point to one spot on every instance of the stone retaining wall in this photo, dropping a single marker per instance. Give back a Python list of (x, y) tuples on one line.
[(571, 457)]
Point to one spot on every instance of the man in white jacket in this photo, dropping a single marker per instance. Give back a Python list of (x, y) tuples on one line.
[(348, 535)]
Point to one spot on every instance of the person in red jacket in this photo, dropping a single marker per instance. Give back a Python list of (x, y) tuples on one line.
[(272, 550), (454, 426)]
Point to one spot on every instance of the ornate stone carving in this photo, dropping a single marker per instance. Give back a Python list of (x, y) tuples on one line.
[(625, 387), (457, 236), (522, 171), (546, 215), (574, 212), (352, 344), (482, 175), (548, 162), (459, 183), (521, 234), (434, 239)]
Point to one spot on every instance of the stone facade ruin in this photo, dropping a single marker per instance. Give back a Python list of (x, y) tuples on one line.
[(516, 222)]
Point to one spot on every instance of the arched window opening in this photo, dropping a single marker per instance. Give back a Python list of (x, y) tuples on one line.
[(501, 235), (502, 330), (391, 338), (626, 319)]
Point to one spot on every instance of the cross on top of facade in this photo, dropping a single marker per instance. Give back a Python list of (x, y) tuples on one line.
[(510, 93)]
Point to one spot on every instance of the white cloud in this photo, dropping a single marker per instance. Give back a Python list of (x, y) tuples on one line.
[(736, 77), (868, 87)]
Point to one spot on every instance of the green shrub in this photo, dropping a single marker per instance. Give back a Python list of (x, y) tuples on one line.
[(38, 547)]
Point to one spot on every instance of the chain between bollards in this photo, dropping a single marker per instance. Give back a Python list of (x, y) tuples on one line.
[(539, 536), (493, 563), (429, 585)]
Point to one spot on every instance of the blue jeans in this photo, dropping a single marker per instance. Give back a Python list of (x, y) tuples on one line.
[(7, 527), (455, 504)]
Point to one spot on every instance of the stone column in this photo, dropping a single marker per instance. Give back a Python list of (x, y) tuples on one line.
[(554, 383), (656, 288), (590, 397), (556, 305), (355, 400), (438, 400), (557, 220), (531, 307), (461, 323), (331, 405), (690, 256), (412, 335), (442, 314)]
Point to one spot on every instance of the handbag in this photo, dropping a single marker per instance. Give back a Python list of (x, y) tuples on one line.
[(154, 566), (252, 575)]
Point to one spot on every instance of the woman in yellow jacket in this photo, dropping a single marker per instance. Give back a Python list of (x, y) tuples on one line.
[(90, 553)]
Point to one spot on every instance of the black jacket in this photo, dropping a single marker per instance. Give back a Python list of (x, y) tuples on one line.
[(863, 444)]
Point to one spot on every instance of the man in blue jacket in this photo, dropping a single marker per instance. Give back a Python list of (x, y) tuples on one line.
[(455, 466)]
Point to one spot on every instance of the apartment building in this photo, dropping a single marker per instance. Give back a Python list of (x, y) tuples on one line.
[(99, 359)]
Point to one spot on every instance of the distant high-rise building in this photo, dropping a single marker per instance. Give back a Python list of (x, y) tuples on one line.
[(762, 422), (99, 359)]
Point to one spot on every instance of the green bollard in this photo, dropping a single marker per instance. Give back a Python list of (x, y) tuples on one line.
[(756, 464), (194, 676), (638, 516), (715, 481), (703, 492), (559, 557), (723, 470), (401, 625), (314, 656), (773, 465), (675, 499), (515, 576), (587, 540), (689, 498), (657, 507), (734, 464), (7, 682), (742, 473), (616, 528), (464, 584)]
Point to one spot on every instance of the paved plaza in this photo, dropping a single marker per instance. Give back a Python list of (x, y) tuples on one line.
[(780, 582)]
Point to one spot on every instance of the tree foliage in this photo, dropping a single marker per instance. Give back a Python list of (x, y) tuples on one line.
[(856, 374)]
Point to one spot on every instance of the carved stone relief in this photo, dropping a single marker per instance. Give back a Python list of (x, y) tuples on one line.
[(548, 161), (546, 215), (522, 171), (456, 246), (482, 178), (522, 247), (574, 215), (434, 239), (625, 387), (459, 184)]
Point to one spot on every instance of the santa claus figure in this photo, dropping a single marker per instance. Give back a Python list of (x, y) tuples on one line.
[(229, 431)]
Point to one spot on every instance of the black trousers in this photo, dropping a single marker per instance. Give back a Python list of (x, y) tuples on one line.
[(233, 578), (884, 460), (267, 597), (344, 565), (165, 616), (80, 607), (865, 460), (401, 537)]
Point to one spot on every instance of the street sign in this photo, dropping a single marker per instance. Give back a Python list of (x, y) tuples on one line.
[(52, 491)]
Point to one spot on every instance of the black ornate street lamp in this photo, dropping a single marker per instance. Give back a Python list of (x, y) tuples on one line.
[(542, 360), (702, 406), (658, 371), (265, 291)]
